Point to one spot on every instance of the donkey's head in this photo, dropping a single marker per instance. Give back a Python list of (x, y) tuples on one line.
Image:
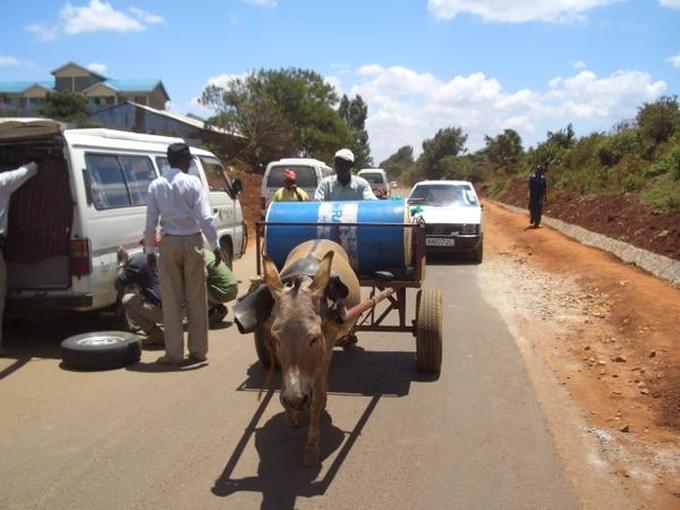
[(297, 330)]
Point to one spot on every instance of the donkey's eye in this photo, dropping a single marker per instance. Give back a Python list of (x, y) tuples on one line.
[(314, 340)]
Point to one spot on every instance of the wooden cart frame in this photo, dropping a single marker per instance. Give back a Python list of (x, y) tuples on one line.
[(427, 326)]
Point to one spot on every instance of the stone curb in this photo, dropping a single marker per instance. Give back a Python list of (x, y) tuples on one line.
[(660, 266)]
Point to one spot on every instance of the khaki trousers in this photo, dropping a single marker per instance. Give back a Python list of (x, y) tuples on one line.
[(143, 313), (3, 290), (183, 280)]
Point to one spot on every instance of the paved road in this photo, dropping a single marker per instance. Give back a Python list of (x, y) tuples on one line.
[(149, 437)]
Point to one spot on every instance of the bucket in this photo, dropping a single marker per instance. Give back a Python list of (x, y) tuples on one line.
[(369, 248)]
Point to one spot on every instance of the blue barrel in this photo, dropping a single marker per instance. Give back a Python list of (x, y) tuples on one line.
[(369, 248)]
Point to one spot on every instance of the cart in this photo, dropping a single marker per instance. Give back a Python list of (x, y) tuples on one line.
[(387, 298)]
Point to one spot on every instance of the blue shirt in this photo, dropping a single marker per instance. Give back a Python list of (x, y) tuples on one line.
[(137, 272)]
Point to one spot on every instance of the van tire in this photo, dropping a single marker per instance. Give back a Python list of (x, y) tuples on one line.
[(101, 350)]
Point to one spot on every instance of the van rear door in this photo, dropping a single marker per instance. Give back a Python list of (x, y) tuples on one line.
[(37, 252)]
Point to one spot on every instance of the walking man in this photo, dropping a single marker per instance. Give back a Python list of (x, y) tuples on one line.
[(181, 203), (289, 192), (9, 183), (537, 191), (343, 185)]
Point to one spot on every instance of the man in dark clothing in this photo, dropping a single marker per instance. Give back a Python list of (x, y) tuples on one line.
[(143, 307), (537, 191)]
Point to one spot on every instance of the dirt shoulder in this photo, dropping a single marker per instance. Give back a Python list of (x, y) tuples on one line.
[(609, 332), (618, 217)]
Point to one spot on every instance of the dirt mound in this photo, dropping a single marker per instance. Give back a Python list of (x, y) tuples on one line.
[(618, 217)]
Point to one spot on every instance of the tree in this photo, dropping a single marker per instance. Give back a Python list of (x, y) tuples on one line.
[(552, 151), (67, 107), (354, 113), (399, 163), (659, 120), (505, 150), (288, 112), (446, 142)]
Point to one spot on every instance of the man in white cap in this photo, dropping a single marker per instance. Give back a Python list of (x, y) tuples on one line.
[(343, 185)]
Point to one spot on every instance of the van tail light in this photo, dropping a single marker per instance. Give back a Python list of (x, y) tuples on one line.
[(80, 260)]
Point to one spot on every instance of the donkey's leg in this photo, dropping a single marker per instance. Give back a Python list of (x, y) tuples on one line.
[(312, 454)]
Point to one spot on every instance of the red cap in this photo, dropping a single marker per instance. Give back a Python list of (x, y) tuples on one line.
[(289, 174)]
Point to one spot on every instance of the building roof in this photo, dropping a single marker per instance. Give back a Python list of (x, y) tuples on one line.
[(184, 119), (79, 67), (17, 87), (132, 85)]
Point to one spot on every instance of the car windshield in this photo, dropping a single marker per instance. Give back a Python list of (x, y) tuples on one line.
[(305, 176), (373, 177), (443, 195)]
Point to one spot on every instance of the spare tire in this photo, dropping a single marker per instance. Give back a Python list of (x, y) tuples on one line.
[(101, 350)]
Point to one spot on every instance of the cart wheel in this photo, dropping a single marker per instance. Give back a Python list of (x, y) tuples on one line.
[(262, 350), (429, 330)]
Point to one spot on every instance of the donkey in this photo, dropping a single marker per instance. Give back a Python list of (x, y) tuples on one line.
[(303, 330)]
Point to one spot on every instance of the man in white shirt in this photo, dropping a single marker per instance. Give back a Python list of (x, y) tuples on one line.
[(9, 183), (343, 185), (180, 201)]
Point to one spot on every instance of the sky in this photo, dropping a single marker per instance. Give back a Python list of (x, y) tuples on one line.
[(420, 65)]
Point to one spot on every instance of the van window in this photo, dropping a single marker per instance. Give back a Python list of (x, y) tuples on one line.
[(305, 176), (139, 173), (162, 164), (215, 175), (118, 181)]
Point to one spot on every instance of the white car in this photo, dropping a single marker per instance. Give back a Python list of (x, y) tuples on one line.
[(452, 214)]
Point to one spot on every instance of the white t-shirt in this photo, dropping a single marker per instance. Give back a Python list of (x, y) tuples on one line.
[(330, 189)]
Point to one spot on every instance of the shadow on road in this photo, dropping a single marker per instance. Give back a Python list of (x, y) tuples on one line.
[(281, 478), (449, 259), (33, 337)]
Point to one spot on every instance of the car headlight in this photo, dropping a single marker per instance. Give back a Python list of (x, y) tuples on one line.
[(470, 228)]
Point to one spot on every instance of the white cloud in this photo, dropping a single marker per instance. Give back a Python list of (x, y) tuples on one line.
[(97, 67), (221, 80), (517, 11), (145, 16), (674, 60), (334, 82), (43, 31), (263, 3), (671, 4), (579, 64), (405, 107), (8, 60), (96, 16)]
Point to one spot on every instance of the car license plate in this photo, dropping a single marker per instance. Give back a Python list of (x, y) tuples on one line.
[(440, 241)]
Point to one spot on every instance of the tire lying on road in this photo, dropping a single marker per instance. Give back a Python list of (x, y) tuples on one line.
[(101, 350)]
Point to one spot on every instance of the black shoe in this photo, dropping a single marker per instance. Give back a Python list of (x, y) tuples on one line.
[(217, 314)]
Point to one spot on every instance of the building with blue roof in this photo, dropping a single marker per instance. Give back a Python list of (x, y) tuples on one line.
[(101, 91)]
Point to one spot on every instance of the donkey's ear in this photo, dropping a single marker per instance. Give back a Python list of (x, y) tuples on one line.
[(323, 274), (271, 277)]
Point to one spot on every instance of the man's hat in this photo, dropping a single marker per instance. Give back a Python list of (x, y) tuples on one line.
[(345, 154), (178, 150), (289, 175)]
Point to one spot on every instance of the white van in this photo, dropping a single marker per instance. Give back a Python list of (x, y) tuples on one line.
[(309, 173), (92, 199), (377, 178)]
